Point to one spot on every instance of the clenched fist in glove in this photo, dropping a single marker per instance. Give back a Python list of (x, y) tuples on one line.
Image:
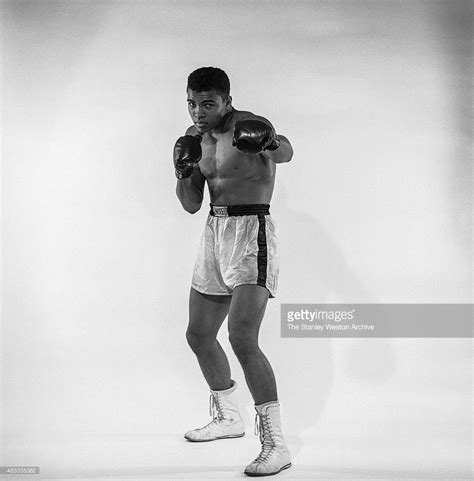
[(253, 136), (187, 152)]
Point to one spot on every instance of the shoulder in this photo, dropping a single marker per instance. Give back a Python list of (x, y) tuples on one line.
[(245, 115), (191, 130), (242, 114)]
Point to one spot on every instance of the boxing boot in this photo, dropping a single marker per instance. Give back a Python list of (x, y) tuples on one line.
[(226, 421), (275, 455)]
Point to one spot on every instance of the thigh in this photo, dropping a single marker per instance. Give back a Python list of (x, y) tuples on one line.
[(247, 308), (207, 313)]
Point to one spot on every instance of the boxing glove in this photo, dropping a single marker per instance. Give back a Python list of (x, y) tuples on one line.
[(187, 152), (253, 136)]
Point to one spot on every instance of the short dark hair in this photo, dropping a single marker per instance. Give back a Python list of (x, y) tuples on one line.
[(209, 78)]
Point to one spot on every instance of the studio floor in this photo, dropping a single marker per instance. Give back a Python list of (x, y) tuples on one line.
[(140, 458)]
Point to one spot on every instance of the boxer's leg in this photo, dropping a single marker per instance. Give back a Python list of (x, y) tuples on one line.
[(206, 315), (245, 316), (207, 312)]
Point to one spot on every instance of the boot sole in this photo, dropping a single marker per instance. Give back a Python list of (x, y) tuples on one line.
[(269, 474), (231, 436)]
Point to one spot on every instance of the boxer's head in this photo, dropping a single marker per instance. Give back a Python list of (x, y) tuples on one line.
[(209, 101)]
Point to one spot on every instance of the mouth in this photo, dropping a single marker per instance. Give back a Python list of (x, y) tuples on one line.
[(200, 124)]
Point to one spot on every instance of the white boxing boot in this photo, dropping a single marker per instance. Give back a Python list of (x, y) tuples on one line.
[(226, 422), (275, 455)]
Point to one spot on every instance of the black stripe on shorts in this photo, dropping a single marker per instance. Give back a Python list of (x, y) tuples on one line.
[(262, 252)]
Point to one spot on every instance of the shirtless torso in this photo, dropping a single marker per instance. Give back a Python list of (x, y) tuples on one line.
[(232, 176)]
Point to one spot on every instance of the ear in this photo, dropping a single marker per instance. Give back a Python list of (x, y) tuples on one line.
[(228, 101)]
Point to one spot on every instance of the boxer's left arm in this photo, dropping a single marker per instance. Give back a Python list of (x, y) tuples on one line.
[(283, 154), (248, 135)]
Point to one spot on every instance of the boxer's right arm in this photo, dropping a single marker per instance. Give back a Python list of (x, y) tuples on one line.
[(190, 191), (190, 185)]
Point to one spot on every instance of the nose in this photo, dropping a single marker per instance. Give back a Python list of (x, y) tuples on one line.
[(198, 113)]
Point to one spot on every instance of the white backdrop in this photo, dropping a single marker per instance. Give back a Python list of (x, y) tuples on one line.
[(98, 253)]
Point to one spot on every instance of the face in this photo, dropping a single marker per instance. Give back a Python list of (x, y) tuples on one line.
[(207, 109)]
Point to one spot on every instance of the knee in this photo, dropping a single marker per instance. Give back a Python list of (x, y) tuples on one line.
[(243, 345), (198, 341)]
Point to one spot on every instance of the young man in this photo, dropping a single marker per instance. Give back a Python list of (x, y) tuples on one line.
[(236, 270)]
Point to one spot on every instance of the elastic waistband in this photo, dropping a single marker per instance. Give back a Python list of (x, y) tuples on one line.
[(234, 210)]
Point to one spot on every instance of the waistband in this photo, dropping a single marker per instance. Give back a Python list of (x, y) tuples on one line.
[(234, 210)]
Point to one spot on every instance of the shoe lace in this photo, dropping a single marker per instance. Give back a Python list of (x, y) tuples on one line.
[(215, 408), (215, 411), (264, 428)]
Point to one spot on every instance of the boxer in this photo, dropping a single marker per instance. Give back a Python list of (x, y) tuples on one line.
[(236, 271)]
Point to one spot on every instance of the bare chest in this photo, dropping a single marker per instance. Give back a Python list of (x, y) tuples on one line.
[(220, 160)]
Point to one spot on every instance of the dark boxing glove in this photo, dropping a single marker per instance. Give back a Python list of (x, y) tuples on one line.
[(253, 136), (187, 152)]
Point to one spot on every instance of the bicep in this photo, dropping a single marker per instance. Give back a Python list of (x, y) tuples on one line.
[(284, 139)]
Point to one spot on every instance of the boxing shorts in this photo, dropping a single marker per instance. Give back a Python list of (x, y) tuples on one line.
[(238, 246)]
